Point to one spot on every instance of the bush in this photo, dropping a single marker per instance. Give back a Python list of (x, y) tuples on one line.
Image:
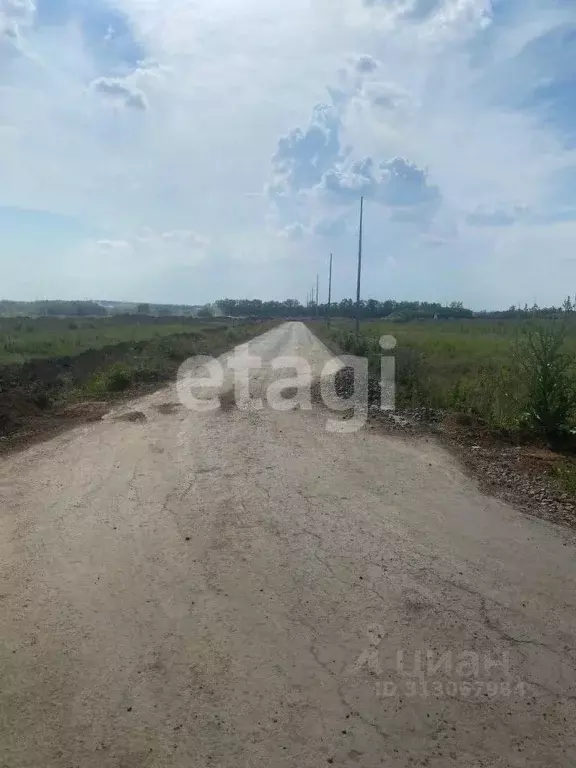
[(491, 396), (43, 401), (232, 336), (412, 384), (118, 378), (547, 373)]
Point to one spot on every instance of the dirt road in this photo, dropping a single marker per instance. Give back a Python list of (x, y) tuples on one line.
[(243, 589)]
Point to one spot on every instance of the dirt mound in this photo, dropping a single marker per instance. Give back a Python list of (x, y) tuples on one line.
[(15, 411), (86, 411), (133, 417)]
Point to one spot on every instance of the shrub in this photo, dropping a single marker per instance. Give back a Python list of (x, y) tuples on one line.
[(118, 378), (490, 395), (412, 384), (548, 378), (43, 401), (232, 336)]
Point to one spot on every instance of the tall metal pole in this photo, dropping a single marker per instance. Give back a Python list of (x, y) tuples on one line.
[(329, 293), (317, 292), (359, 284)]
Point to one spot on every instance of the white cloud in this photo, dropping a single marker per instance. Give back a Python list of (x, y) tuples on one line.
[(16, 12), (433, 82), (117, 247), (180, 246), (146, 253), (366, 63), (15, 17), (119, 91)]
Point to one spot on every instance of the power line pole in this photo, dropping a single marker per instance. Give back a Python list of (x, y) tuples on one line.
[(329, 293), (317, 292), (359, 284)]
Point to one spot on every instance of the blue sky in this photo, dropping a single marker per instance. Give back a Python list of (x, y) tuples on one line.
[(185, 150)]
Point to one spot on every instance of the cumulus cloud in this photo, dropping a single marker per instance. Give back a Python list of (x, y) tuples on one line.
[(121, 91), (397, 184), (402, 183), (15, 16), (303, 156), (410, 9), (294, 231), (388, 96), (366, 64), (331, 227), (351, 183), (440, 13)]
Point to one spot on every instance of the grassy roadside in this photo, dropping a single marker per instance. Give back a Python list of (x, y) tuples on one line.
[(484, 402), (42, 396), (516, 378)]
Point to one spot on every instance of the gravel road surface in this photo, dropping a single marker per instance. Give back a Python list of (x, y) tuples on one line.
[(242, 588)]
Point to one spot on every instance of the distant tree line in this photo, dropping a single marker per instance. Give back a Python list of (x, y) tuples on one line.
[(52, 308), (370, 309), (390, 309), (520, 313), (46, 308)]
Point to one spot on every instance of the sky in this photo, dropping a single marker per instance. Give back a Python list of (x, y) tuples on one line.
[(182, 151)]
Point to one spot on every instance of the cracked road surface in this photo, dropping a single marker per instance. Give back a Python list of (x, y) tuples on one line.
[(241, 589)]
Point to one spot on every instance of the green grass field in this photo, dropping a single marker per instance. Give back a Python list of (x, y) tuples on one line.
[(48, 363), (468, 366), (25, 339)]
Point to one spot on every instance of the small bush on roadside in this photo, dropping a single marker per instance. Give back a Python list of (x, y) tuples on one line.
[(412, 383), (118, 378), (491, 396), (42, 401), (232, 336), (547, 371)]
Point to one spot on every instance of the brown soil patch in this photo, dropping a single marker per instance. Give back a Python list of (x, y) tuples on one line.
[(167, 408), (133, 417)]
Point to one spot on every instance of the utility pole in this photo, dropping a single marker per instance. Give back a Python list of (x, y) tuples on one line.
[(317, 292), (329, 293), (359, 284)]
